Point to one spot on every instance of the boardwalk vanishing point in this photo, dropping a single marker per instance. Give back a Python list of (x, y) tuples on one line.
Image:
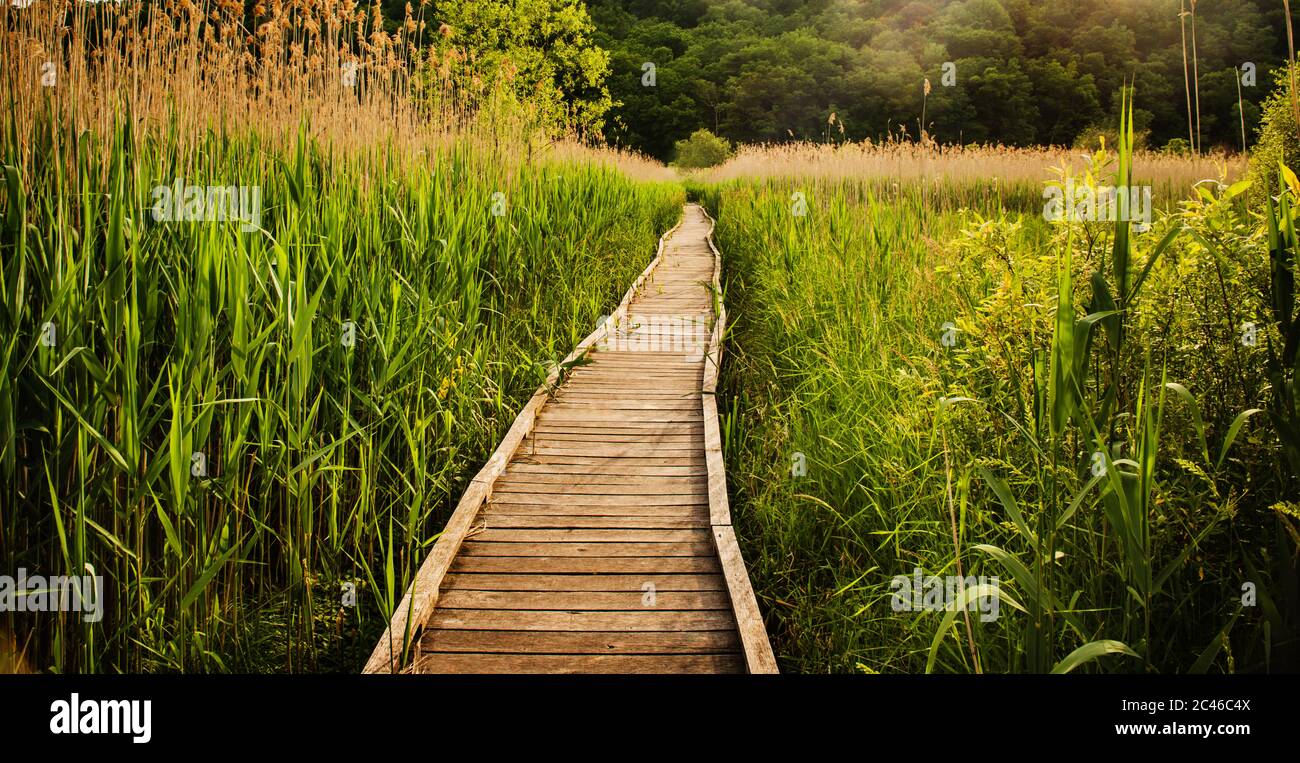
[(598, 538)]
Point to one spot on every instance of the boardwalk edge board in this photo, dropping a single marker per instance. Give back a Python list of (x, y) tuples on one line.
[(753, 633), (400, 644)]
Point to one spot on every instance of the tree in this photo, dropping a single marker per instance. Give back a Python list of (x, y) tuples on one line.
[(544, 48)]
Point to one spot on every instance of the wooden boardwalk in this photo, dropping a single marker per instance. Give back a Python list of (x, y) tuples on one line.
[(598, 537)]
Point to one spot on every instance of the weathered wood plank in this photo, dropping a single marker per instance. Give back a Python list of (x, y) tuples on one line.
[(532, 482), (682, 453), (753, 634), (673, 440), (604, 468), (588, 499), (506, 521), (606, 463), (719, 508), (472, 547), (628, 601), (577, 564), (695, 487), (589, 535), (569, 663), (542, 620), (499, 506), (612, 583)]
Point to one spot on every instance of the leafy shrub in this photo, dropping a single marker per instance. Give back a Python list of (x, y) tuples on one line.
[(702, 149)]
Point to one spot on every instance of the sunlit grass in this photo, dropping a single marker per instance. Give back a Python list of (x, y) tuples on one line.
[(982, 450)]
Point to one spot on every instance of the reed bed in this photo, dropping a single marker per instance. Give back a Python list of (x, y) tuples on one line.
[(1015, 175), (254, 428)]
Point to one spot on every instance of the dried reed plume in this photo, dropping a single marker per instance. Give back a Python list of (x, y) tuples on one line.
[(187, 67)]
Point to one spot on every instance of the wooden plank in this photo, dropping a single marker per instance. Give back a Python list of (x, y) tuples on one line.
[(613, 583), (473, 547), (506, 521), (619, 565), (683, 384), (588, 535), (680, 452), (719, 508), (500, 506), (581, 642), (583, 413), (542, 620), (684, 450), (534, 481), (575, 424), (753, 634), (614, 464), (695, 487), (611, 470), (676, 440), (569, 403), (569, 663), (597, 429), (685, 374), (562, 499), (638, 358), (627, 601), (683, 359), (596, 393)]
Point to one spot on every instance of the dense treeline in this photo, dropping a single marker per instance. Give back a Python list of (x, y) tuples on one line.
[(1015, 72), (1025, 72)]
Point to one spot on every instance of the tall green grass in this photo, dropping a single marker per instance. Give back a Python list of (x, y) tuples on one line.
[(326, 465), (1087, 433)]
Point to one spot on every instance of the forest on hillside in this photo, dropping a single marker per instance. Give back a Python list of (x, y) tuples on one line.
[(1018, 72), (644, 74)]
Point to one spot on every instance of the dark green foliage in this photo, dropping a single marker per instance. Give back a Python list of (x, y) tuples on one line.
[(1026, 73)]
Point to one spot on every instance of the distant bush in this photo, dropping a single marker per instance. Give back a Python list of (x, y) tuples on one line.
[(702, 149), (1177, 147), (1092, 136)]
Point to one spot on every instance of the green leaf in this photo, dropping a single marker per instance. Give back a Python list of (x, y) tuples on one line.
[(1151, 260), (1008, 501), (1089, 652), (1206, 657), (961, 603), (206, 577), (1197, 421), (1233, 431)]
